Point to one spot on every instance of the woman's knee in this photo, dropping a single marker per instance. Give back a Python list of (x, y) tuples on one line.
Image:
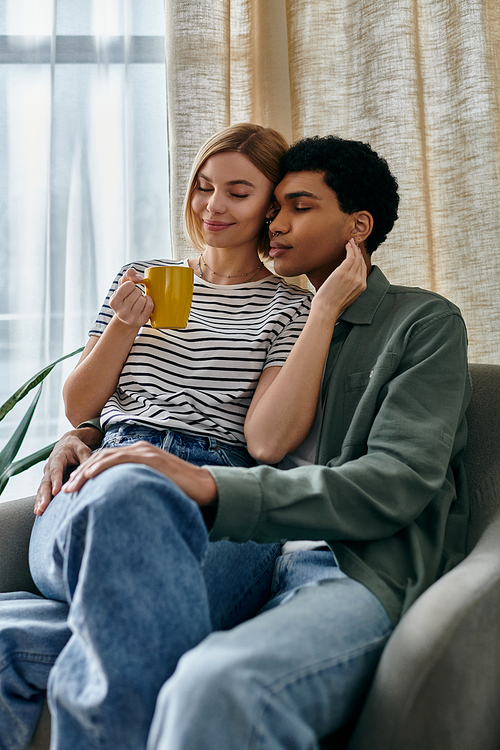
[(125, 490), (127, 504)]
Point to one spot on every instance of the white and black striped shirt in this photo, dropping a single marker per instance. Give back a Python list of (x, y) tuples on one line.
[(201, 379)]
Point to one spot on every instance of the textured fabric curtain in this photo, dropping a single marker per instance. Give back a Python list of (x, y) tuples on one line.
[(83, 181), (418, 79)]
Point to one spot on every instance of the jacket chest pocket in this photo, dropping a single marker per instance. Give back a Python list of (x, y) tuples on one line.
[(364, 392), (358, 380)]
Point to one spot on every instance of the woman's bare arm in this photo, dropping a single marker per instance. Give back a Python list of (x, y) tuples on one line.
[(96, 375), (284, 405)]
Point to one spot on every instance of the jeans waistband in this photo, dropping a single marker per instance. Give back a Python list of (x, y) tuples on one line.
[(129, 429)]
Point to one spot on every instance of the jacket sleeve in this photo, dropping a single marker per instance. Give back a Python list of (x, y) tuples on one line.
[(395, 458)]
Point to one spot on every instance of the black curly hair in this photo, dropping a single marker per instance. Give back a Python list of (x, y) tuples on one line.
[(359, 177)]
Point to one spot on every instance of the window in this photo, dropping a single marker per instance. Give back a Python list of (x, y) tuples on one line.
[(84, 181)]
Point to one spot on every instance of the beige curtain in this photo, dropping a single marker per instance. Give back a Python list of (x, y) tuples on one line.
[(418, 79)]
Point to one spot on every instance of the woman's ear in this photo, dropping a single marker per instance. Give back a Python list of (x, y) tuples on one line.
[(363, 225), (273, 210)]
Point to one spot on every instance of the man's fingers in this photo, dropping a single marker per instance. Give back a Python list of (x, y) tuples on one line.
[(94, 466)]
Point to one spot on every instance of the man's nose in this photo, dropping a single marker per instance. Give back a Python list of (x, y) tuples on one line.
[(277, 226)]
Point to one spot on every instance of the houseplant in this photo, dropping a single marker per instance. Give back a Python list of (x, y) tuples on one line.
[(8, 465)]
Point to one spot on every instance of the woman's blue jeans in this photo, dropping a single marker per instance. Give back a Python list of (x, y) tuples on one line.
[(198, 450), (233, 581)]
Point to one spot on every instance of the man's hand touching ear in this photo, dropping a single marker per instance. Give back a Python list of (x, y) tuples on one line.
[(344, 284)]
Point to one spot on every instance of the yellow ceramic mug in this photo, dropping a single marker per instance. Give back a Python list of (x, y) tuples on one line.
[(171, 288)]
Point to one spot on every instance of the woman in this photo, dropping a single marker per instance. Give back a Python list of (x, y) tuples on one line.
[(260, 316)]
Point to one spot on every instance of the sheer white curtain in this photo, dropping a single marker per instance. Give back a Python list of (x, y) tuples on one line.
[(83, 179), (418, 79)]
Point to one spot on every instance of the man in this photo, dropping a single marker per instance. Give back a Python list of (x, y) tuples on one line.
[(386, 491)]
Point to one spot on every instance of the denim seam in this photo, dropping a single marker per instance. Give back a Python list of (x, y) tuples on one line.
[(27, 656), (293, 678)]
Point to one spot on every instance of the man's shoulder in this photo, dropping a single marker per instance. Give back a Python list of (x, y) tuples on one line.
[(417, 296), (382, 302), (412, 296), (415, 310)]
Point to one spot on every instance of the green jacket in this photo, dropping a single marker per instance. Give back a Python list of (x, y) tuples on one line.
[(388, 490)]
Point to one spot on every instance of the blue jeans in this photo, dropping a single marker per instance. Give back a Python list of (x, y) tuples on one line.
[(296, 672), (195, 449), (257, 559), (235, 579), (127, 557)]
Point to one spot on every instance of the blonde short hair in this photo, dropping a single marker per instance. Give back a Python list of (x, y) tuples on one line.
[(263, 146)]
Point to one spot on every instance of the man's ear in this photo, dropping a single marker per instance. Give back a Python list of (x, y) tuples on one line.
[(363, 225)]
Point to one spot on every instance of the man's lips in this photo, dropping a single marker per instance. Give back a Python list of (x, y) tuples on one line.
[(278, 249), (216, 226)]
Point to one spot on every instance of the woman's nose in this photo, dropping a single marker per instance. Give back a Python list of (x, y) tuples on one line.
[(215, 204)]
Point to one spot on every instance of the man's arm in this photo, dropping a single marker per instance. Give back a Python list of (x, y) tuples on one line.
[(71, 450), (394, 458), (368, 492)]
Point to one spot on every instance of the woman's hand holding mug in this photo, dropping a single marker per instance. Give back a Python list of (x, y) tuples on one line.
[(167, 302), (128, 302)]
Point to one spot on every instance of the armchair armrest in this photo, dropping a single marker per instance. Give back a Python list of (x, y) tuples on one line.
[(437, 685), (16, 520)]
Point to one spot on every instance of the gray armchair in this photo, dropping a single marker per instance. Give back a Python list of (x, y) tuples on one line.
[(437, 686)]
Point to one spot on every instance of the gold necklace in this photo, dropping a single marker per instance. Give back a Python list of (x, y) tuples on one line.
[(201, 260)]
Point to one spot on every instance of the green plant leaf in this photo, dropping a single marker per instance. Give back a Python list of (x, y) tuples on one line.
[(9, 452), (32, 383), (24, 464), (28, 461)]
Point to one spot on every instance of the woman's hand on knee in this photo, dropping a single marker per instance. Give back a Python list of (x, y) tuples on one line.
[(71, 450)]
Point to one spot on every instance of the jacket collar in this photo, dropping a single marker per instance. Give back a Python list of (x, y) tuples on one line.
[(365, 306)]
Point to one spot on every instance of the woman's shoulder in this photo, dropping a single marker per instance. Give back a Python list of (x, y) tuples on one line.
[(291, 290)]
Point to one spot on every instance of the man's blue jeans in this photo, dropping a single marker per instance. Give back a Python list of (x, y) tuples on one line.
[(128, 553), (296, 672)]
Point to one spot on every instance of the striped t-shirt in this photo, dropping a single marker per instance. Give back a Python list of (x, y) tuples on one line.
[(201, 379)]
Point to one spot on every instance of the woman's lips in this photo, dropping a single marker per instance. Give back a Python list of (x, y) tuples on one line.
[(216, 226)]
